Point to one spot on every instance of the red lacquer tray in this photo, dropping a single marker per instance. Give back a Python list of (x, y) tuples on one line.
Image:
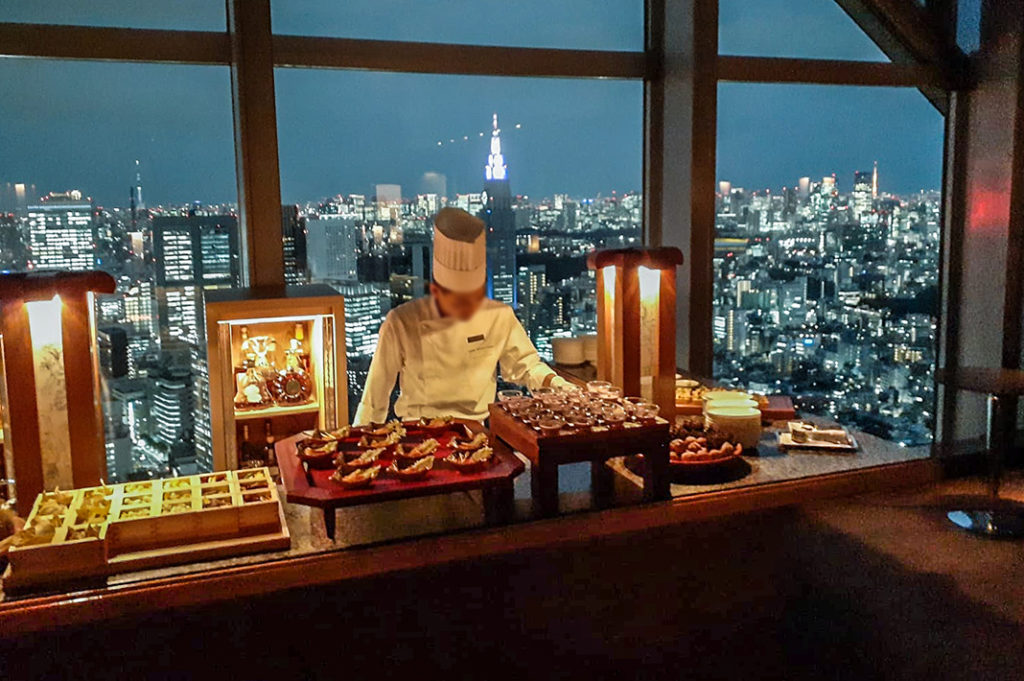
[(314, 487)]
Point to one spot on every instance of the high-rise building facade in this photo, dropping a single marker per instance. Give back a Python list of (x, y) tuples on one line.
[(501, 224), (293, 237), (192, 252), (863, 183), (172, 406), (62, 232), (333, 247)]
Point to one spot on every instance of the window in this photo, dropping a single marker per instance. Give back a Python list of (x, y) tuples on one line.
[(808, 29), (196, 15), (364, 202), (128, 168), (826, 257), (567, 24), (968, 25)]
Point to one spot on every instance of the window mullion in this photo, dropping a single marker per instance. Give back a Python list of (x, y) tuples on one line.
[(256, 154)]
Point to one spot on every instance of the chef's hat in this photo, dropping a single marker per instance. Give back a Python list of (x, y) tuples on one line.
[(460, 250)]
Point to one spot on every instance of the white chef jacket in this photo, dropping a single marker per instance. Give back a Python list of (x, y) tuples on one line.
[(447, 367)]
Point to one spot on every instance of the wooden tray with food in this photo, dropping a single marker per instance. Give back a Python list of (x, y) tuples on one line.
[(396, 460), (690, 395), (548, 449), (97, 531)]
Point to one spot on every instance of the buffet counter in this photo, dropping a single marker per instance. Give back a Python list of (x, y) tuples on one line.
[(416, 533)]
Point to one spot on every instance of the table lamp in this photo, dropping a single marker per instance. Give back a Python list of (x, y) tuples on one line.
[(636, 321), (53, 417)]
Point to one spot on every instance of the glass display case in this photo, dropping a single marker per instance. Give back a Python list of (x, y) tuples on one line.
[(277, 367)]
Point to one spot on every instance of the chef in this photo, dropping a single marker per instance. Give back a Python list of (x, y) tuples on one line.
[(445, 348)]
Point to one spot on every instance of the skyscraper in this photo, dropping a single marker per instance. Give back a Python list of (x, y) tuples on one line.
[(62, 232), (172, 406), (333, 247), (192, 252), (501, 224), (863, 184), (293, 236)]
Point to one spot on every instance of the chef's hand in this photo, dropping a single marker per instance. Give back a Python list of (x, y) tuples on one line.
[(559, 383)]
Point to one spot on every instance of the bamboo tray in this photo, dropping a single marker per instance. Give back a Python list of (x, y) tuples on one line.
[(150, 524)]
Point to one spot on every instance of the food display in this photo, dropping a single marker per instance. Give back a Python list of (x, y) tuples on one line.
[(600, 408), (95, 531), (424, 459), (394, 451), (804, 435), (695, 444), (689, 393), (693, 398)]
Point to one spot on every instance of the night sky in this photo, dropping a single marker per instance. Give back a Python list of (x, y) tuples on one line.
[(81, 125)]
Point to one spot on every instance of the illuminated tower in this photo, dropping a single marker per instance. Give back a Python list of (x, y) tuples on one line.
[(874, 182), (501, 224)]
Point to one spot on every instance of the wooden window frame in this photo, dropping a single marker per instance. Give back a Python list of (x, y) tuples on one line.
[(679, 66)]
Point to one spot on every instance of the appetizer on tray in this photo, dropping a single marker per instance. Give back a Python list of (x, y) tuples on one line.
[(416, 470), (471, 461), (388, 439), (317, 455), (425, 448), (357, 479), (472, 444), (433, 423), (365, 459)]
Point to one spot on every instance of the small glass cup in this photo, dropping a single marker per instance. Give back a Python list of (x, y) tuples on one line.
[(613, 414), (630, 403), (598, 387), (544, 393), (612, 393), (508, 395), (517, 405), (550, 425), (580, 420), (647, 411)]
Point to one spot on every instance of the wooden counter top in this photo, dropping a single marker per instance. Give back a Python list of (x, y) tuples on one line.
[(310, 563)]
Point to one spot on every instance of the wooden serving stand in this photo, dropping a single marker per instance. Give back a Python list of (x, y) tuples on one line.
[(548, 452), (313, 487)]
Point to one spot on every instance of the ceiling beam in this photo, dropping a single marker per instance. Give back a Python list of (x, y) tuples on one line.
[(912, 34)]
